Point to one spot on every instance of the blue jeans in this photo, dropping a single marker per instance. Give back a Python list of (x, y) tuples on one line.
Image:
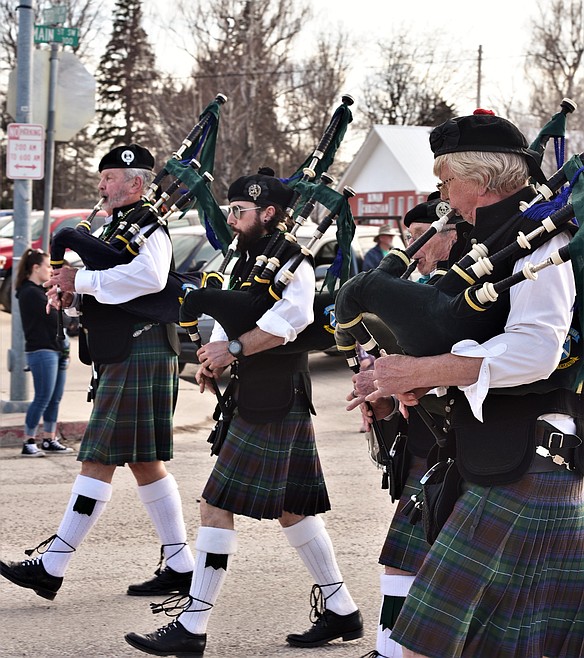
[(49, 371)]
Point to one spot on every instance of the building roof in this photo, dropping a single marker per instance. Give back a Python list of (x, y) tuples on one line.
[(392, 159)]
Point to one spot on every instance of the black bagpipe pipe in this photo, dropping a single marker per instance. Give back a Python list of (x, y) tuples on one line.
[(310, 171), (195, 134), (237, 311), (425, 319), (258, 293), (132, 233), (466, 271), (268, 262)]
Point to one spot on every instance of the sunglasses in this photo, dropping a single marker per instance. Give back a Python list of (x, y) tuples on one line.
[(237, 210)]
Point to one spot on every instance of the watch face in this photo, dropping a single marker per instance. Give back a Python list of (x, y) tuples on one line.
[(235, 348)]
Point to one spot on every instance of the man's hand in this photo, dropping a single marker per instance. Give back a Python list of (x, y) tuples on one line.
[(214, 357), (362, 386), (395, 374), (61, 287)]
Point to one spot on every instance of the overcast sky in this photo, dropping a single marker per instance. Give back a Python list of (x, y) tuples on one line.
[(501, 27)]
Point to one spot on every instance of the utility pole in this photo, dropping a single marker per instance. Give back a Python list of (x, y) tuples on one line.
[(22, 206), (50, 152), (479, 75)]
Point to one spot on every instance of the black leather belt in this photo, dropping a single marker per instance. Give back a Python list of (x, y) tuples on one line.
[(554, 450)]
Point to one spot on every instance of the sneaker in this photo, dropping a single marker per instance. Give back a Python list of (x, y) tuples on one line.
[(30, 449), (53, 447)]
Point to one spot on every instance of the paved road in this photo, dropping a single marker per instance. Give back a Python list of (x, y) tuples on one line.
[(266, 593)]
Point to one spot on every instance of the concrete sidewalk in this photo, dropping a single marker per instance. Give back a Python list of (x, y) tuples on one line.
[(193, 409)]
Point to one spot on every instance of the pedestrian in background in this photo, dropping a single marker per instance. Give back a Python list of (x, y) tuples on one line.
[(47, 354), (384, 242)]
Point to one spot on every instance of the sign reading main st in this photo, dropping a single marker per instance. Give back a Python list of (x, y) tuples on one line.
[(68, 36), (25, 154)]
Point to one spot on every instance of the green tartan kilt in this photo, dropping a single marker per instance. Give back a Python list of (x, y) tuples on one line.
[(405, 546), (505, 577), (265, 469), (131, 419)]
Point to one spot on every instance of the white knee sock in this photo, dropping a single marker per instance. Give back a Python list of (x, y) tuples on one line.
[(88, 499), (394, 589), (212, 550), (163, 504), (311, 539)]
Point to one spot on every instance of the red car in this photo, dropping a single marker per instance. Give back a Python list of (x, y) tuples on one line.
[(59, 220)]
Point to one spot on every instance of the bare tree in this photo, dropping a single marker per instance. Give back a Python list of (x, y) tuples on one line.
[(554, 66), (409, 86), (71, 159), (311, 91), (277, 101)]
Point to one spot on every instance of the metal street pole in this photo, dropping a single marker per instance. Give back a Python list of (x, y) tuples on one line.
[(50, 147), (22, 205)]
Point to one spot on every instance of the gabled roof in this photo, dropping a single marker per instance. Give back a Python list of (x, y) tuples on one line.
[(392, 159)]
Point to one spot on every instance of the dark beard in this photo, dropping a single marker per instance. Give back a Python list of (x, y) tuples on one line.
[(250, 237)]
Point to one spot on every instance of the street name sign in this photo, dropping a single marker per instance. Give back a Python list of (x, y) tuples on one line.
[(25, 154), (55, 14), (68, 36)]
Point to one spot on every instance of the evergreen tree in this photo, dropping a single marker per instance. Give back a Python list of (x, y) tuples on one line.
[(127, 82)]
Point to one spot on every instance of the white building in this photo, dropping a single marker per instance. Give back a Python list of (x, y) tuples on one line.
[(391, 173)]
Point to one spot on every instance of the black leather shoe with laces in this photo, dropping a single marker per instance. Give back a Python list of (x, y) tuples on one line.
[(329, 626), (170, 640), (168, 581), (32, 574)]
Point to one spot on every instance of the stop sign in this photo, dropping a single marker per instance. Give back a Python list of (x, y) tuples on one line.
[(75, 94)]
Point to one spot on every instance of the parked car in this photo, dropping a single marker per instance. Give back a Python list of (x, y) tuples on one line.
[(191, 248), (324, 251), (59, 220)]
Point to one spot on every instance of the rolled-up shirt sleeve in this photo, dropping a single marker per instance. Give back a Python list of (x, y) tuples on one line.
[(146, 273), (537, 326), (295, 311)]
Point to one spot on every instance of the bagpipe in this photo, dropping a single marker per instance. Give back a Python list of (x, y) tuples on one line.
[(428, 319), (237, 311), (191, 167)]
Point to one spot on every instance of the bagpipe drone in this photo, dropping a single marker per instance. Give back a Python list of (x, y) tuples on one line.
[(190, 166), (428, 319)]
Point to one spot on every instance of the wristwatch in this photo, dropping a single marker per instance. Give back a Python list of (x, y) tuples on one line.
[(235, 348)]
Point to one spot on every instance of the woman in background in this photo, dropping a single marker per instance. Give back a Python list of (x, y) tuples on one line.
[(47, 355)]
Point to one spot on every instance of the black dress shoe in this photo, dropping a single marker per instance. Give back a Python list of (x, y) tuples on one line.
[(168, 581), (170, 640), (32, 574), (329, 626)]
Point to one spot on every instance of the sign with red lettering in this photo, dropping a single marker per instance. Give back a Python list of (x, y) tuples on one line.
[(25, 155)]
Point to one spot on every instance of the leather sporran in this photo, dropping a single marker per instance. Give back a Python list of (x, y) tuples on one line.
[(441, 487), (392, 454)]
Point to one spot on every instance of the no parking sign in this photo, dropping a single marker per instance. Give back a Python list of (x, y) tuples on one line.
[(25, 155)]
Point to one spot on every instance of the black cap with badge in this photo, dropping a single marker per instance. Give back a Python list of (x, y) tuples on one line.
[(263, 189), (133, 156)]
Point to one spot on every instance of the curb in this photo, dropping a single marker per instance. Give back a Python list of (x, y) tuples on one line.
[(12, 437)]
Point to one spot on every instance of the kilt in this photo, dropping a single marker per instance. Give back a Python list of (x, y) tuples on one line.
[(263, 470), (405, 546), (505, 578), (131, 419)]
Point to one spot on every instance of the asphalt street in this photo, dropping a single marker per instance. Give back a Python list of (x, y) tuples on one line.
[(266, 595)]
